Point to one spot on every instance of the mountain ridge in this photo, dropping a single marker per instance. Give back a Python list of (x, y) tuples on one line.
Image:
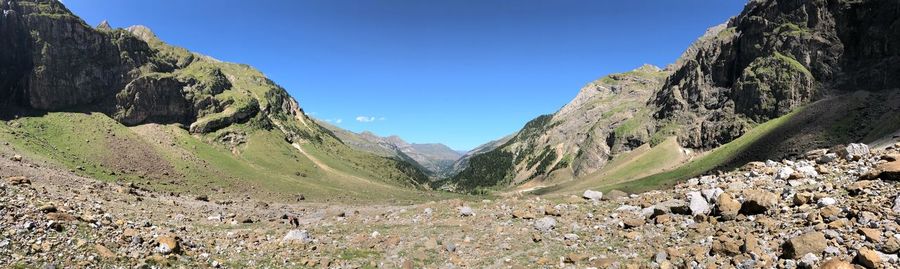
[(59, 64), (434, 159), (772, 59)]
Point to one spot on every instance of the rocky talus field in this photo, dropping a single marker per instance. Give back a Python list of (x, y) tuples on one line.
[(834, 208)]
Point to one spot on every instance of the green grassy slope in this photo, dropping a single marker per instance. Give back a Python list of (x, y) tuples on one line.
[(719, 157), (849, 118), (641, 162), (168, 158)]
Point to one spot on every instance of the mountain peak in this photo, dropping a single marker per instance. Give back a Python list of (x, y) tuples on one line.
[(648, 68), (142, 32), (104, 25)]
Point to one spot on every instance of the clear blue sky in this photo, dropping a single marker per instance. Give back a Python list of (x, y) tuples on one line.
[(458, 72)]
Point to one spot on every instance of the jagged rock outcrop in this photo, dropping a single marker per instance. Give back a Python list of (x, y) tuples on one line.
[(773, 58), (57, 62), (61, 63), (53, 61), (152, 99)]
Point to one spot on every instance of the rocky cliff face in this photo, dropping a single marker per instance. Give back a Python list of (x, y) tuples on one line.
[(773, 58), (53, 61), (58, 62)]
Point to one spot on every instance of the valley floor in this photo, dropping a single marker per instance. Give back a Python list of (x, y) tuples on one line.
[(775, 214)]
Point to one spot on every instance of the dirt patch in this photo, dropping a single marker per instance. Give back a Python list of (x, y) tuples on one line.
[(135, 156)]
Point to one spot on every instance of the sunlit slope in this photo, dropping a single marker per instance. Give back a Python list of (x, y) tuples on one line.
[(857, 117), (165, 157)]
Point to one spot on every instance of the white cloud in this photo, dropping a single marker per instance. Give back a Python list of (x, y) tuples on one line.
[(335, 121), (365, 119)]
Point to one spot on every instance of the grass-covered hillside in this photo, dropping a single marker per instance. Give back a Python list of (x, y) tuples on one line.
[(121, 104), (259, 163)]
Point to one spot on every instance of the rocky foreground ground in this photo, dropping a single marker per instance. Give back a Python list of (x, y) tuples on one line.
[(831, 209)]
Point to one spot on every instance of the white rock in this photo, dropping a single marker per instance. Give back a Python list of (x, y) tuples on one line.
[(698, 204), (712, 195), (808, 171), (466, 211), (164, 249), (855, 151), (450, 246), (647, 212), (889, 258), (693, 181), (827, 201), (301, 236), (737, 186), (784, 173), (545, 224), (897, 204), (809, 260), (592, 195), (707, 179)]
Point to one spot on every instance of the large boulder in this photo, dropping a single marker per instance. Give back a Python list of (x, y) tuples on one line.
[(868, 258), (698, 203), (758, 202), (545, 224), (671, 206), (592, 195), (466, 211), (727, 206), (784, 173), (889, 170), (167, 244), (811, 242), (297, 236), (855, 151)]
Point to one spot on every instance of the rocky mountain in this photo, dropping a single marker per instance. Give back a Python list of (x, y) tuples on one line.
[(774, 59), (463, 161), (54, 62), (577, 140), (435, 160)]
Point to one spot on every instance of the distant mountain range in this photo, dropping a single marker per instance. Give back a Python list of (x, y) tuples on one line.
[(436, 160)]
